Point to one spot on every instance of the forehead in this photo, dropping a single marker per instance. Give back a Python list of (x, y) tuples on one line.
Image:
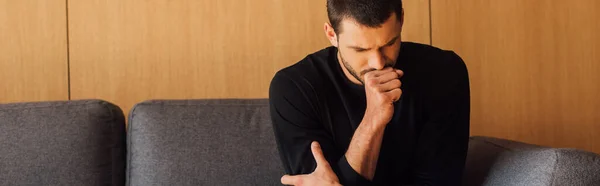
[(355, 33)]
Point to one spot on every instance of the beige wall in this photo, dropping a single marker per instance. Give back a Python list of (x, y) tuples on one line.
[(134, 50), (33, 50), (534, 65)]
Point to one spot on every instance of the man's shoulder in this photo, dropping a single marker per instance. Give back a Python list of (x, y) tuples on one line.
[(429, 54), (419, 48), (434, 70), (309, 65), (429, 60), (308, 74)]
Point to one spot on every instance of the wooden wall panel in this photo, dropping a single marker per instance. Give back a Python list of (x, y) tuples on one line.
[(133, 50), (534, 67), (416, 21), (33, 50)]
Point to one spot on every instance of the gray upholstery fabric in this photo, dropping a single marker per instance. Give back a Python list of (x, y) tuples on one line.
[(492, 161), (230, 142), (576, 167), (62, 143), (202, 142)]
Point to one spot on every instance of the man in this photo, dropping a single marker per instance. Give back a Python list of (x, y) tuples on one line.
[(371, 110)]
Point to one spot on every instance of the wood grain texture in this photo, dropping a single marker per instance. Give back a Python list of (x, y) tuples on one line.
[(129, 51), (33, 51), (416, 21), (534, 67)]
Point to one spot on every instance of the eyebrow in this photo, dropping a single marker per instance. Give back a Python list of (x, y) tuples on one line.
[(393, 40)]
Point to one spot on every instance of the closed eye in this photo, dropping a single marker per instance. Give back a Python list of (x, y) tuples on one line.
[(360, 49), (392, 42)]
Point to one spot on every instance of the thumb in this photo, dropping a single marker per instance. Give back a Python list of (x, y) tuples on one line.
[(289, 180), (318, 154)]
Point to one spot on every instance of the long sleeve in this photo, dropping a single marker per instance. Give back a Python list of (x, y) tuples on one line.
[(296, 122), (443, 142)]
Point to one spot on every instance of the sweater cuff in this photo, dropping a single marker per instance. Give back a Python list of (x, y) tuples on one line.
[(348, 176)]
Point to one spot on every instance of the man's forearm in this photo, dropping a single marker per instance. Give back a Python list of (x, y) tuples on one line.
[(363, 152), (382, 90)]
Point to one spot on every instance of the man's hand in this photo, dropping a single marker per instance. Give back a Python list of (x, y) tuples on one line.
[(382, 88), (323, 174)]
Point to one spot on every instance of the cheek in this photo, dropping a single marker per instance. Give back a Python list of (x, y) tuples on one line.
[(392, 52), (358, 61)]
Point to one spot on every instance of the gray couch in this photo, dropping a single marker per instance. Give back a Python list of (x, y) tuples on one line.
[(213, 142), (493, 161), (204, 142), (62, 143)]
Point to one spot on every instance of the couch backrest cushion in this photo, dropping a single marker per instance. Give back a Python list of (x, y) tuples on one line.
[(202, 142), (493, 161), (576, 167), (62, 143)]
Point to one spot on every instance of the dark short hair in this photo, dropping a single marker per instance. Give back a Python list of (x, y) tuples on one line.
[(370, 13)]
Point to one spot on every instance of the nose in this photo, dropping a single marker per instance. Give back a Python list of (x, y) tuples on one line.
[(377, 61)]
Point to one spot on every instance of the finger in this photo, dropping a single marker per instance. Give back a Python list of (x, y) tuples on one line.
[(374, 77), (383, 71), (390, 85), (376, 73), (318, 154), (400, 72), (389, 76), (394, 94), (289, 180)]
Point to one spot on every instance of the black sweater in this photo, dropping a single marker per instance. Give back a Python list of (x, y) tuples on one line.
[(424, 144)]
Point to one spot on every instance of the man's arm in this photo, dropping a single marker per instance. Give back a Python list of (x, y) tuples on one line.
[(323, 175), (443, 142), (382, 89), (296, 125)]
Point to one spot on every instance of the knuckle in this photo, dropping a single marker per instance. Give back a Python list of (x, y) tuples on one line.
[(372, 81), (397, 82), (378, 88), (395, 75)]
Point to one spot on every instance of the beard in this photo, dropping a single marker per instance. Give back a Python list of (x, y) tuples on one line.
[(388, 63), (350, 69)]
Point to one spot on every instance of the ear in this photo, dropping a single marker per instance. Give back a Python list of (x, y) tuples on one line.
[(402, 20), (330, 34)]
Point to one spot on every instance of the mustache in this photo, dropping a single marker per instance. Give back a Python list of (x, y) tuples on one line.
[(362, 73)]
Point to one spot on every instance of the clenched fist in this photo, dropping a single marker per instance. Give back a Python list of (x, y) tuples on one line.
[(382, 88)]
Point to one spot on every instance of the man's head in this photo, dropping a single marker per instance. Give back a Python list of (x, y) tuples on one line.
[(366, 33)]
